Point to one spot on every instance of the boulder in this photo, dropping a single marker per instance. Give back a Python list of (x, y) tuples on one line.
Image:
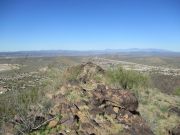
[(120, 98)]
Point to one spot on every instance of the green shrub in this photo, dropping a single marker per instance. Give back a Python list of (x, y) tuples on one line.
[(15, 101), (74, 96), (72, 73), (55, 79), (177, 91), (27, 97), (127, 79)]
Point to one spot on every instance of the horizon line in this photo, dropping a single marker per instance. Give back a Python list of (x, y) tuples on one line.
[(108, 49)]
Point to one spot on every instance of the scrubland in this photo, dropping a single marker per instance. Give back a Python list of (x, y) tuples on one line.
[(31, 101)]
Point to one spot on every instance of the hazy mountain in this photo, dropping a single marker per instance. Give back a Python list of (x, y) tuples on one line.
[(51, 53)]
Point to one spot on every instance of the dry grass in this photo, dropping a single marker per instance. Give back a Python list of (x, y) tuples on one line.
[(154, 107)]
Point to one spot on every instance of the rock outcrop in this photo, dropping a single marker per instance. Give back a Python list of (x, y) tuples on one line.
[(101, 111), (97, 110)]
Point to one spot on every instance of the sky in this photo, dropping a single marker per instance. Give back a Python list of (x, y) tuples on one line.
[(89, 24)]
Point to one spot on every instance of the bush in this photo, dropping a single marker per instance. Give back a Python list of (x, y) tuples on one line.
[(177, 91), (74, 96), (127, 79), (72, 73), (16, 101)]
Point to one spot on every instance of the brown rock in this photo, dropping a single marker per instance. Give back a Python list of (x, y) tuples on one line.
[(53, 123), (116, 109)]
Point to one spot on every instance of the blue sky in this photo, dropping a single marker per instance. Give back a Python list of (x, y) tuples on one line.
[(89, 24)]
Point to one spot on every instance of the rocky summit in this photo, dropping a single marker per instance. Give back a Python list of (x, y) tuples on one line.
[(100, 110), (88, 106)]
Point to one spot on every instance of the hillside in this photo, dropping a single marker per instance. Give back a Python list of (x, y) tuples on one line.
[(88, 100)]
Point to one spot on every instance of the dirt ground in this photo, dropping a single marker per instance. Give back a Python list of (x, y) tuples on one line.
[(5, 67)]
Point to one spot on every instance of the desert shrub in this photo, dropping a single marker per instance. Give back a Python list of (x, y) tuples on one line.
[(27, 97), (55, 79), (72, 73), (47, 104), (177, 91), (73, 96), (98, 78), (154, 107), (127, 79), (17, 102), (166, 83)]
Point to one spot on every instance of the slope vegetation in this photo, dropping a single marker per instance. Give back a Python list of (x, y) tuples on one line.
[(88, 100)]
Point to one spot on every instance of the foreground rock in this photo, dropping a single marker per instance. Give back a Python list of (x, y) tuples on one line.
[(101, 111)]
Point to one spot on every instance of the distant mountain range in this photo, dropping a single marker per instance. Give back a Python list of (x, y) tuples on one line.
[(138, 50), (52, 53)]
